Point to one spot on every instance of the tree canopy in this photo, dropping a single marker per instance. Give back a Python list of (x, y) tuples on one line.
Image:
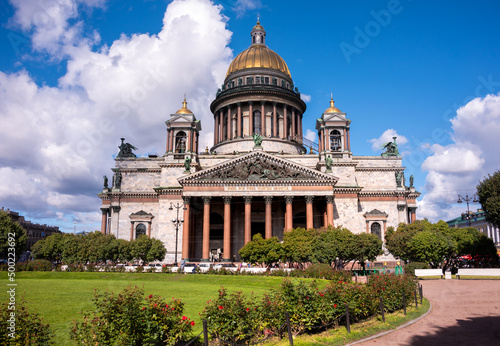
[(96, 247), (488, 192), (262, 251), (437, 244), (315, 246)]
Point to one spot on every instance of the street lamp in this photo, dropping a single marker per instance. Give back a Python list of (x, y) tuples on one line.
[(468, 199), (177, 222)]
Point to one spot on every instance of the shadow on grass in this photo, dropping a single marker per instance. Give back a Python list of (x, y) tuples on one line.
[(471, 331)]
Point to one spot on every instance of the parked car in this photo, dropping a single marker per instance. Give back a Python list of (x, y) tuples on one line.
[(189, 268), (205, 267), (227, 266)]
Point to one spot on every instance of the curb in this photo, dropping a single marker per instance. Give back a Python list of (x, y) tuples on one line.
[(392, 330)]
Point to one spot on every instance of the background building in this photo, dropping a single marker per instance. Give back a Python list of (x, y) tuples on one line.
[(260, 176), (477, 220), (34, 231)]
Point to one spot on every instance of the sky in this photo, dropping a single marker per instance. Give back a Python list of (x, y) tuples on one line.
[(77, 75)]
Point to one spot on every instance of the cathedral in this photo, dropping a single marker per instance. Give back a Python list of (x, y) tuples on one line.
[(260, 176)]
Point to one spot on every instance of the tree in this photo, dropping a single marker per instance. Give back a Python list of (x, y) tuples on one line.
[(48, 248), (297, 245), (262, 251), (431, 247), (397, 240), (488, 191), (11, 230), (147, 249), (366, 247)]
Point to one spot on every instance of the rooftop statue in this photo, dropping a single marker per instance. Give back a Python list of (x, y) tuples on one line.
[(391, 148), (328, 163), (126, 149), (257, 139), (187, 164)]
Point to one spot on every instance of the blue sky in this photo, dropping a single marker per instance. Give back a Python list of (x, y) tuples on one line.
[(76, 75)]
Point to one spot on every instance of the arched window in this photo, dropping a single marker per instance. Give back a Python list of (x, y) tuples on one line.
[(140, 229), (180, 142), (256, 123), (376, 229), (335, 140)]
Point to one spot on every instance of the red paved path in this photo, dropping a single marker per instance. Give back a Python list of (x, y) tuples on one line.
[(464, 312)]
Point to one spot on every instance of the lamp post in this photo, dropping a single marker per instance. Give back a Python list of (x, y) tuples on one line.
[(177, 222), (467, 199)]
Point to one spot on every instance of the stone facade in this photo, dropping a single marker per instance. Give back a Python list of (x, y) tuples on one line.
[(260, 176)]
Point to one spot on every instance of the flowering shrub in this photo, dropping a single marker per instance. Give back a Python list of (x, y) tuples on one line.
[(29, 327), (130, 319), (391, 287), (232, 319)]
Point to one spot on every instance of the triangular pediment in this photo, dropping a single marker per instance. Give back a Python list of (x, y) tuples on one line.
[(334, 117), (259, 167), (182, 118)]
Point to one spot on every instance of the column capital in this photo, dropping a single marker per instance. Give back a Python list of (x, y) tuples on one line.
[(247, 199), (401, 207), (186, 199), (116, 208), (288, 199), (412, 209), (104, 210), (206, 199), (227, 199), (309, 199), (268, 199), (330, 199)]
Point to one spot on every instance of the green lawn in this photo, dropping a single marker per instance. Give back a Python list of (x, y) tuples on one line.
[(60, 296)]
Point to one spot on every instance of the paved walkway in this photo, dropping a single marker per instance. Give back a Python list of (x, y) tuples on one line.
[(464, 312)]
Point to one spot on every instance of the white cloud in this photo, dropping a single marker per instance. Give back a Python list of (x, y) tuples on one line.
[(387, 136), (457, 168), (311, 135), (48, 23), (305, 97), (242, 6), (58, 142)]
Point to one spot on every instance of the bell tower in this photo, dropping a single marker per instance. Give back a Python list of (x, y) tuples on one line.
[(183, 131), (333, 133)]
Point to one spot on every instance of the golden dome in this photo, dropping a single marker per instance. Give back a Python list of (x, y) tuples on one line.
[(258, 27), (184, 109), (258, 57), (332, 108)]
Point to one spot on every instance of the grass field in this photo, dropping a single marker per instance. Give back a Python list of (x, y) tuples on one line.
[(59, 297)]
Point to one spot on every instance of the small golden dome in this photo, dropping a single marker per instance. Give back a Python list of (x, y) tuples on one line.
[(184, 109), (258, 27), (258, 57), (332, 108)]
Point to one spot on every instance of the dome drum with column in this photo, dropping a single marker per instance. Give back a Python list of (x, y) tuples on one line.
[(258, 98)]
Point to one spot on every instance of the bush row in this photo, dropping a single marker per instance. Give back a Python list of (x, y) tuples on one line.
[(236, 319)]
